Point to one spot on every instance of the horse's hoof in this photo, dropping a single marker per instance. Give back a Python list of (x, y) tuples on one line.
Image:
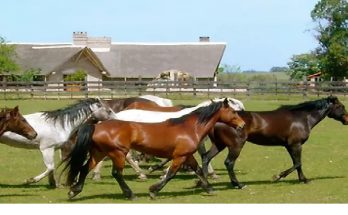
[(96, 177), (213, 176), (240, 186), (30, 181), (152, 195), (276, 178), (142, 177), (72, 194), (305, 181), (131, 197)]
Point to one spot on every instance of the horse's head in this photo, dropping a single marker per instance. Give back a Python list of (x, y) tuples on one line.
[(337, 110), (18, 124), (102, 111), (230, 116)]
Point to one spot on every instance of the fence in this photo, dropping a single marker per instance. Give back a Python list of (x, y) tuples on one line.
[(113, 89)]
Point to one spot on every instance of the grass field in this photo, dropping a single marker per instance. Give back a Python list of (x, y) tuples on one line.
[(325, 161)]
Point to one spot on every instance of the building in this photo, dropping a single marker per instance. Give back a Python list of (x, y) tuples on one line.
[(103, 59)]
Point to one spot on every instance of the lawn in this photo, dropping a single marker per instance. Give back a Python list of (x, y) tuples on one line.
[(325, 161)]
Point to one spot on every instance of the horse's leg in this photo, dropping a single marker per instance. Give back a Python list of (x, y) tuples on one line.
[(206, 158), (158, 166), (202, 151), (135, 166), (173, 169), (96, 176), (95, 158), (295, 153), (233, 154), (191, 161), (118, 160), (48, 158)]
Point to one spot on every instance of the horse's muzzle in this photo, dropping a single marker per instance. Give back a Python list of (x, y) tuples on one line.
[(240, 127), (31, 135)]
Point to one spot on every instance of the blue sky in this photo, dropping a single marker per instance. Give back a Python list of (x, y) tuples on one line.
[(259, 33)]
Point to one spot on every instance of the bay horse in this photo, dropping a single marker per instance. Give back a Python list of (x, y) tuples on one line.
[(287, 126), (12, 120), (53, 129), (175, 138)]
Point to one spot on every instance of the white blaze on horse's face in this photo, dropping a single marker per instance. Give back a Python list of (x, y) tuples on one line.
[(233, 103)]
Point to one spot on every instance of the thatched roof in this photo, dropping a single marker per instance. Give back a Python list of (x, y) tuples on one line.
[(147, 60)]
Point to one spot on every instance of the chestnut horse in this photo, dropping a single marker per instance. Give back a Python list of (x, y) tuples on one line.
[(175, 138), (12, 120), (288, 126), (151, 112)]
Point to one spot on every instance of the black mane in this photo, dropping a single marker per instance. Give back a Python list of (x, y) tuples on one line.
[(204, 113), (72, 112), (307, 106)]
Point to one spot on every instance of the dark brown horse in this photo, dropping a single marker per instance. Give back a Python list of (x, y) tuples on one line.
[(288, 126), (12, 120), (175, 138)]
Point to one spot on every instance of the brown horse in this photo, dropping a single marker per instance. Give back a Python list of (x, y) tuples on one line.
[(175, 138), (12, 120), (288, 126)]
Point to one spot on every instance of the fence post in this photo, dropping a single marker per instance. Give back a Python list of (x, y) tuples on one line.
[(305, 89), (194, 87)]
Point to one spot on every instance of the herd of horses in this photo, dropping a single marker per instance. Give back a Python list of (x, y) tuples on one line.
[(93, 129)]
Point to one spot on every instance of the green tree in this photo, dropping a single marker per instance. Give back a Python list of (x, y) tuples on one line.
[(279, 69), (331, 17), (303, 65), (79, 75), (7, 53)]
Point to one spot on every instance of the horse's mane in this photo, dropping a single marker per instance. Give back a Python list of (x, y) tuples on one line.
[(307, 106), (71, 113), (204, 113)]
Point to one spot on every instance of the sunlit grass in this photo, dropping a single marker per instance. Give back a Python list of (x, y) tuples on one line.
[(325, 161)]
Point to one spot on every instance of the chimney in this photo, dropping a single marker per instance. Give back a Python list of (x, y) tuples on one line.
[(204, 39), (80, 38)]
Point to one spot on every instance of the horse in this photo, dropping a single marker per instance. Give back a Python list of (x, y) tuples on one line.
[(12, 120), (53, 128), (147, 112), (287, 126), (146, 102), (175, 138)]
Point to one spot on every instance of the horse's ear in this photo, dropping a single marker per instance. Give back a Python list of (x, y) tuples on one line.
[(332, 99), (15, 111)]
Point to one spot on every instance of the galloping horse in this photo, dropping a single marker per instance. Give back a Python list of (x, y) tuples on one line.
[(53, 129), (176, 138), (288, 126), (12, 120)]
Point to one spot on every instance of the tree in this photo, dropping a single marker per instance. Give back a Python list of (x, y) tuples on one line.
[(279, 69), (303, 65), (331, 17), (7, 53), (225, 68)]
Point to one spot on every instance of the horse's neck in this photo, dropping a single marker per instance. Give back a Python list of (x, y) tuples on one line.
[(315, 117), (202, 129)]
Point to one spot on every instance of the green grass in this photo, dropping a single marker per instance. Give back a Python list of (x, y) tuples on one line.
[(324, 161)]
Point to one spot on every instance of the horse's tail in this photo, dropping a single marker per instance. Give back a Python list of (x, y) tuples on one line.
[(79, 154)]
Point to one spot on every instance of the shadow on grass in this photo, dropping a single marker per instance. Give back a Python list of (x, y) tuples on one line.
[(26, 186), (119, 196), (283, 181), (14, 195)]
